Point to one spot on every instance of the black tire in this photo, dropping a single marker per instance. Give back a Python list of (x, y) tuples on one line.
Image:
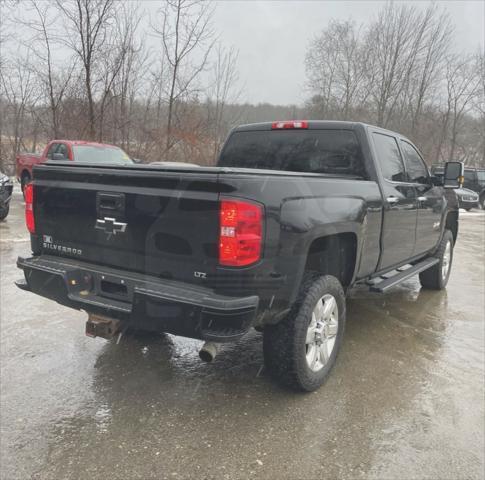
[(285, 344), (434, 278), (482, 202), (468, 209), (24, 180), (4, 211)]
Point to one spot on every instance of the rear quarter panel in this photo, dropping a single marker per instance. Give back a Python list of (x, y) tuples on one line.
[(299, 209)]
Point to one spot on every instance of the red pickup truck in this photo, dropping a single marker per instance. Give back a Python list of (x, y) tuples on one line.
[(65, 150)]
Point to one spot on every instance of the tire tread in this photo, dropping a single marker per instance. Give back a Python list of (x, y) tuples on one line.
[(281, 342), (431, 278)]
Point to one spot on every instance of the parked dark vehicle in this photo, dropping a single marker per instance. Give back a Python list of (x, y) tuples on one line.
[(293, 216), (474, 179), (467, 198), (6, 188)]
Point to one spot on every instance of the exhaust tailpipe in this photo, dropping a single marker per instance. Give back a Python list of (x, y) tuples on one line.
[(208, 351)]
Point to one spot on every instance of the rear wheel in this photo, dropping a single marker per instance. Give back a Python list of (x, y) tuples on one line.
[(301, 350), (437, 276), (481, 202)]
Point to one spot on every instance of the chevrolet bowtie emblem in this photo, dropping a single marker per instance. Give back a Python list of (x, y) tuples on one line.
[(110, 225)]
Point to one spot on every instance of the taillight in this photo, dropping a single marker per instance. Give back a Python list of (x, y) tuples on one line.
[(289, 125), (241, 233), (29, 207)]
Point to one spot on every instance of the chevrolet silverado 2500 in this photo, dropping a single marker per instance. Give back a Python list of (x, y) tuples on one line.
[(294, 214)]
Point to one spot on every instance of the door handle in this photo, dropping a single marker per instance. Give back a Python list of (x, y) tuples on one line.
[(422, 199), (392, 199)]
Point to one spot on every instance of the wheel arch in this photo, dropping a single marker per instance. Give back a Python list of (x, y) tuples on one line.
[(322, 257)]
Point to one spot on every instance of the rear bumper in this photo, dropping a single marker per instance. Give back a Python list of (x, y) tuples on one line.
[(140, 301)]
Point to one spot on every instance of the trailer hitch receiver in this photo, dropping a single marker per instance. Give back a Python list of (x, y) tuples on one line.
[(104, 327)]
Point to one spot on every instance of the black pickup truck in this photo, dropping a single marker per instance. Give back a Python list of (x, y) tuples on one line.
[(294, 214)]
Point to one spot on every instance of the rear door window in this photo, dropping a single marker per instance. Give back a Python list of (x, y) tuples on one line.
[(416, 169), (389, 158), (335, 152)]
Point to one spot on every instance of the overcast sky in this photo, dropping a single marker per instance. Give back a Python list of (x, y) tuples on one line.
[(272, 37)]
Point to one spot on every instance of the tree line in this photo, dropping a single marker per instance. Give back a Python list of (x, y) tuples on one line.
[(84, 69), (400, 72)]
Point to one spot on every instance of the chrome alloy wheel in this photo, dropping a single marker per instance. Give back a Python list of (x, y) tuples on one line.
[(322, 332), (445, 264)]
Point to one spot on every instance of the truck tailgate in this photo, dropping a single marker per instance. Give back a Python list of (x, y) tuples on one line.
[(159, 222)]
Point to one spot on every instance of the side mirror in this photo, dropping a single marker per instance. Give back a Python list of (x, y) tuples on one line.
[(453, 177), (58, 156)]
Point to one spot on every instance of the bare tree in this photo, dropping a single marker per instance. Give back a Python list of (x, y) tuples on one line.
[(184, 31), (393, 41), (19, 91), (321, 69), (434, 41), (396, 74), (350, 61), (119, 45), (462, 86), (132, 72), (89, 23), (351, 65), (225, 89), (479, 104), (53, 78)]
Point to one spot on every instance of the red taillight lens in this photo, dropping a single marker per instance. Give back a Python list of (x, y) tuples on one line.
[(289, 125), (29, 207), (241, 233)]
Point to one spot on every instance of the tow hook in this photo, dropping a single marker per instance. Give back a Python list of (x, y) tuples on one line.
[(104, 327), (208, 351)]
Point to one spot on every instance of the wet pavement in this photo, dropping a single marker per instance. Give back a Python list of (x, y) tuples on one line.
[(405, 400)]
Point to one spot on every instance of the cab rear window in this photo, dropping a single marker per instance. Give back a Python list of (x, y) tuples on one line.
[(335, 152)]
